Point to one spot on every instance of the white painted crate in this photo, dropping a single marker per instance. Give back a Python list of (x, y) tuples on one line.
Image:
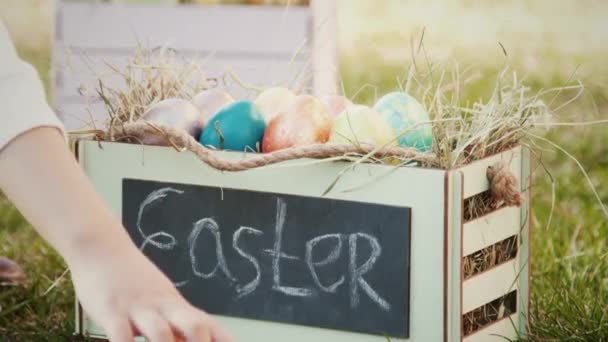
[(439, 295)]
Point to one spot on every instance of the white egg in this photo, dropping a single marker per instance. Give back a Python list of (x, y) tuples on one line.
[(175, 113), (274, 100), (209, 102)]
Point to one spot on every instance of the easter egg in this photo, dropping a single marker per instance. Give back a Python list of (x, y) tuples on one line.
[(274, 100), (336, 104), (210, 102), (175, 113), (407, 117), (360, 124), (305, 122), (238, 126)]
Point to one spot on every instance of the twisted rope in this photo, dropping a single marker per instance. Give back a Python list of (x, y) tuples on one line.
[(503, 186), (183, 141)]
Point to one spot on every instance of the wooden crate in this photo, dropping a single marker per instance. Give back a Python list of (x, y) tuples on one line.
[(439, 297)]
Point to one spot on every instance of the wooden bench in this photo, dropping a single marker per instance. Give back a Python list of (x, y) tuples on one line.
[(263, 45)]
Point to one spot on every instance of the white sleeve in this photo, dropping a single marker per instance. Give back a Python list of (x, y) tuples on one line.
[(23, 103)]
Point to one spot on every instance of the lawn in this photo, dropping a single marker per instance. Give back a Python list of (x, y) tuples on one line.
[(569, 257)]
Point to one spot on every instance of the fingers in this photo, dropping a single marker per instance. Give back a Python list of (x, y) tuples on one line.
[(196, 325), (119, 330), (218, 333), (152, 325), (10, 272), (170, 323), (190, 323)]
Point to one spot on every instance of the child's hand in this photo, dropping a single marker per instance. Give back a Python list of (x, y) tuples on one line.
[(127, 295), (117, 285)]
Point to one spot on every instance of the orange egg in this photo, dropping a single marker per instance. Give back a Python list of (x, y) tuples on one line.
[(305, 122)]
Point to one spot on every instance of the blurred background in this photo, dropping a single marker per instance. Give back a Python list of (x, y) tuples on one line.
[(549, 42)]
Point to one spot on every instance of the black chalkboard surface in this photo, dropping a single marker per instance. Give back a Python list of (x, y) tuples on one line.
[(300, 260)]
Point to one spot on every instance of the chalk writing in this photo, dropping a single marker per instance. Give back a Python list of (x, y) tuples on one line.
[(319, 262), (332, 257), (277, 255), (210, 225), (154, 197), (243, 290), (356, 273)]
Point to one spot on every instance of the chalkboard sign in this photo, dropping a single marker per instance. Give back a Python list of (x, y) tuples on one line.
[(300, 260)]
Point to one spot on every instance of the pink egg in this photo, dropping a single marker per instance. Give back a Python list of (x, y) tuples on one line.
[(210, 102), (336, 104), (274, 100), (175, 113), (305, 122)]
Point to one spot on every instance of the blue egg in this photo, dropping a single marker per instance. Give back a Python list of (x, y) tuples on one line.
[(241, 125), (406, 115)]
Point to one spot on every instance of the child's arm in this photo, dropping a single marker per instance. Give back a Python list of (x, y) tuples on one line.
[(118, 286)]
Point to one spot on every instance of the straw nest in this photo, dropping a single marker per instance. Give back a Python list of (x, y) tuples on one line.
[(461, 133)]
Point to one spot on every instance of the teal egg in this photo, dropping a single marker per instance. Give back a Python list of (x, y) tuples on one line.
[(405, 115), (241, 125)]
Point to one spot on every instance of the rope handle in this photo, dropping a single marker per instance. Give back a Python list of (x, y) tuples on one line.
[(504, 186), (503, 183), (183, 141)]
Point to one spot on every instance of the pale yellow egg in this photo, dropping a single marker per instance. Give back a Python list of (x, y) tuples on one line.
[(274, 100), (360, 124)]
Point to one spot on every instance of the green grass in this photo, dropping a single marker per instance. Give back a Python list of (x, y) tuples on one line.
[(569, 258), (42, 308)]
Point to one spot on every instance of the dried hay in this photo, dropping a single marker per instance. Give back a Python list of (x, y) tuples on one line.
[(462, 134), (485, 315), (149, 77), (490, 257)]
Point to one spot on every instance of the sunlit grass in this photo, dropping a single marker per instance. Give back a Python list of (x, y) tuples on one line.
[(42, 308)]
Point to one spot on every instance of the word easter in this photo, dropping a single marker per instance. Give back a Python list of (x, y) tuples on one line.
[(312, 261), (209, 225)]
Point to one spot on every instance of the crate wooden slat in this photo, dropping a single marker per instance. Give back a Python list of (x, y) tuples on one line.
[(523, 298), (490, 285), (263, 30), (475, 173), (503, 330), (453, 255), (490, 229)]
